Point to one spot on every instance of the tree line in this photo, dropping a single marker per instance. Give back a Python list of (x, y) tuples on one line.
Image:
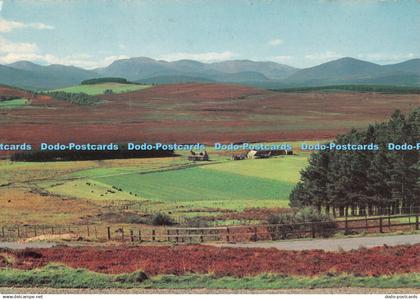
[(365, 182), (83, 155), (74, 98)]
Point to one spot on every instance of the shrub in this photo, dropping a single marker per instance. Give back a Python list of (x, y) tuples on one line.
[(135, 277), (287, 225), (29, 253), (162, 219)]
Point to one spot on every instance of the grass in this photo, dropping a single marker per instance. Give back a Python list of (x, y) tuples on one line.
[(283, 169), (173, 185), (199, 183), (96, 89), (13, 103), (58, 276)]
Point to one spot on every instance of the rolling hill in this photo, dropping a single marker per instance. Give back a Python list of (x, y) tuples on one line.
[(353, 71), (264, 74), (29, 75)]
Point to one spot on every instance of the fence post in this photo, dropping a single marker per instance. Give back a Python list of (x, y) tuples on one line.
[(18, 231), (131, 235), (109, 233), (417, 222), (139, 235), (227, 234), (88, 230), (2, 231), (366, 222), (313, 230), (177, 233), (346, 226), (122, 234), (153, 235), (35, 230), (389, 219), (380, 225), (168, 235), (255, 234)]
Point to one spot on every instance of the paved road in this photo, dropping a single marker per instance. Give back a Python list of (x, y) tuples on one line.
[(20, 245), (325, 244), (332, 244)]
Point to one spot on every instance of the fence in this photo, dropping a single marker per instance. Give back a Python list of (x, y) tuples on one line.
[(241, 233)]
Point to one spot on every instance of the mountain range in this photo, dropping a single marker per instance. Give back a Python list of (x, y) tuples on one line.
[(267, 74)]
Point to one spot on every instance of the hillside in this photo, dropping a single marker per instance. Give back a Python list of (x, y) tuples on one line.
[(32, 76), (262, 74), (349, 71)]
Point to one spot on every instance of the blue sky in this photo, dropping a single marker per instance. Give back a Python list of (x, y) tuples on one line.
[(92, 33)]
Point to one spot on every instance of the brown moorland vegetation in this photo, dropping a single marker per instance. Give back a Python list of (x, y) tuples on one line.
[(207, 113), (236, 262)]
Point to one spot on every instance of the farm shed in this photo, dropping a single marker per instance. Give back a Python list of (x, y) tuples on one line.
[(253, 154), (202, 156)]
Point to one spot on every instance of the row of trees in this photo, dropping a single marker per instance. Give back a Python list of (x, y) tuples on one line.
[(365, 182), (8, 98), (75, 98), (82, 155)]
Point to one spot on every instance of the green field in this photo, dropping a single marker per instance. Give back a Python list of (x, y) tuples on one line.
[(177, 185), (199, 183), (96, 89), (173, 185), (13, 103), (284, 169)]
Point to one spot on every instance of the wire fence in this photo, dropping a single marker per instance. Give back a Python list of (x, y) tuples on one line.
[(240, 233)]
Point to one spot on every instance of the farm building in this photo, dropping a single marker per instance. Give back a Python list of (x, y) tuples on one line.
[(253, 154), (239, 157), (202, 156)]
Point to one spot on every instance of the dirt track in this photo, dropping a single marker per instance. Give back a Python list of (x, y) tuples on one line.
[(333, 244)]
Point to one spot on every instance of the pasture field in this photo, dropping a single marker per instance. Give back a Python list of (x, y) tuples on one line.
[(97, 89), (14, 103), (172, 185)]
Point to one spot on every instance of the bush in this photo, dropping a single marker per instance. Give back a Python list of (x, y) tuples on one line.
[(162, 219), (288, 225), (29, 253), (135, 277)]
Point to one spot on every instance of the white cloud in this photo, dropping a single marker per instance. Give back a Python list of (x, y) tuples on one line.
[(7, 26), (204, 57), (323, 57), (282, 59), (1, 4), (111, 59), (7, 46), (386, 57), (11, 52), (275, 42)]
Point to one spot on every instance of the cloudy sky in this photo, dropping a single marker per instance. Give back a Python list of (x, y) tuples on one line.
[(92, 33)]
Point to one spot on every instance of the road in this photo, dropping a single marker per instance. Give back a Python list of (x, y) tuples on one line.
[(324, 244), (332, 244)]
